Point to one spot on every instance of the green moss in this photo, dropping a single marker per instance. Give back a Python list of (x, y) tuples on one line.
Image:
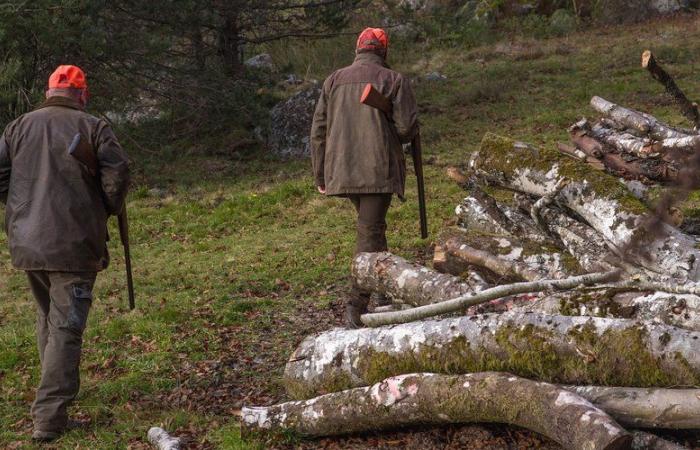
[(505, 155), (300, 391), (613, 358)]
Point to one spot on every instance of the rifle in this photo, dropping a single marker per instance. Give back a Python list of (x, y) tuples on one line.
[(374, 98), (86, 155)]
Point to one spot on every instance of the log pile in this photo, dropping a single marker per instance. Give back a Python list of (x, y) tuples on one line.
[(560, 303)]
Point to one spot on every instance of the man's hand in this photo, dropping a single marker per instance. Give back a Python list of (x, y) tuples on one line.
[(321, 189)]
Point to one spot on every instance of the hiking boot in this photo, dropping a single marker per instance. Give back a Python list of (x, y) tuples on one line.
[(51, 435), (380, 299)]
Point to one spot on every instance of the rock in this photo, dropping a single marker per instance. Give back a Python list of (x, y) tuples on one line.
[(261, 61), (435, 76), (292, 80), (406, 32), (624, 11), (291, 124)]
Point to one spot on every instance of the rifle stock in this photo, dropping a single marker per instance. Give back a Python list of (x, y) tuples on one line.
[(375, 99), (84, 153)]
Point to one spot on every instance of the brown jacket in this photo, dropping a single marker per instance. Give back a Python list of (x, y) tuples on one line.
[(356, 149), (56, 212)]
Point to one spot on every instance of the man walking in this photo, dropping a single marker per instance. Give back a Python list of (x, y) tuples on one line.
[(356, 150), (56, 224)]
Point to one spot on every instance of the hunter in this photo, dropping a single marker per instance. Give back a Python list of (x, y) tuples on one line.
[(56, 223), (356, 150)]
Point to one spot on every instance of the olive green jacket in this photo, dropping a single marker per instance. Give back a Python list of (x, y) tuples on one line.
[(56, 212), (356, 149)]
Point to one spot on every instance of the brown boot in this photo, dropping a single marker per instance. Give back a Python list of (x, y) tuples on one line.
[(354, 308)]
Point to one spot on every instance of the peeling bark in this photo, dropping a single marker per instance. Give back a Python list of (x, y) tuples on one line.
[(625, 142), (562, 349), (409, 283), (426, 398), (677, 409), (603, 202), (472, 299)]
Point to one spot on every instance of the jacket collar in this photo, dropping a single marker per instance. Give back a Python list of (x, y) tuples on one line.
[(58, 100), (371, 58)]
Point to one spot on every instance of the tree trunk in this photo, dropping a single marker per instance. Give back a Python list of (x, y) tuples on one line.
[(646, 407), (602, 201), (426, 398), (643, 123), (468, 300), (562, 349), (688, 108), (409, 283)]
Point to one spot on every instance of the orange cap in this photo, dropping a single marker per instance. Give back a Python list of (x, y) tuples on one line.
[(373, 39), (68, 77)]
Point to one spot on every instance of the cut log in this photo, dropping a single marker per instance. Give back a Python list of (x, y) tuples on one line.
[(562, 349), (602, 201), (409, 283), (688, 109), (625, 142), (677, 409), (644, 123), (161, 439), (472, 299), (547, 261), (426, 398), (648, 441), (505, 268), (679, 310), (581, 156)]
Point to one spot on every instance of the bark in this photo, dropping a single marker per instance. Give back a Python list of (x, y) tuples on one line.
[(408, 283), (472, 299), (598, 198), (426, 398), (648, 441), (643, 123), (161, 439), (552, 348), (688, 109), (679, 310), (624, 142), (581, 156), (646, 407)]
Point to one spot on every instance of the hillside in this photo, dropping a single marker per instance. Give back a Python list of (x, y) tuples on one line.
[(237, 258)]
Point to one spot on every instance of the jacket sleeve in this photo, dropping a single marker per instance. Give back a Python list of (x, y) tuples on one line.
[(5, 166), (318, 137), (405, 110), (114, 168)]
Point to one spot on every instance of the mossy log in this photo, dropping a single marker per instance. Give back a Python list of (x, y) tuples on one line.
[(598, 198), (643, 123), (562, 349), (409, 283), (677, 409), (427, 398)]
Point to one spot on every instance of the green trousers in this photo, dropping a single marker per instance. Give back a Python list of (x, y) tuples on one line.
[(63, 302), (371, 233)]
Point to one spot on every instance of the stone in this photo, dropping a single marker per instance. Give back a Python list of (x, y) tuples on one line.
[(262, 61), (435, 76), (291, 124)]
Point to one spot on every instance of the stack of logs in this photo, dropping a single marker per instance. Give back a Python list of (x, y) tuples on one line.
[(557, 304)]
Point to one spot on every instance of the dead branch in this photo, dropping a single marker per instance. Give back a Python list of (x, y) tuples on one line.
[(688, 109)]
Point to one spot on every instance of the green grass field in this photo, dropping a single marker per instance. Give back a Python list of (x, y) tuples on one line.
[(236, 260)]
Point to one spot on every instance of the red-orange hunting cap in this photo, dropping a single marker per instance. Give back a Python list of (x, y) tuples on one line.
[(373, 39), (68, 77)]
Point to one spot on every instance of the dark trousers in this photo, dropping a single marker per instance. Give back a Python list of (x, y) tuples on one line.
[(63, 301), (371, 232)]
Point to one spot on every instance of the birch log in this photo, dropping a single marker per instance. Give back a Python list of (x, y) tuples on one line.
[(409, 283), (625, 142), (162, 439), (644, 123), (648, 441), (602, 201), (563, 349), (426, 398), (677, 409)]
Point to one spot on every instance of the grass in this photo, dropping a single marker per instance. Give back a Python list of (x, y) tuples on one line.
[(235, 259)]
